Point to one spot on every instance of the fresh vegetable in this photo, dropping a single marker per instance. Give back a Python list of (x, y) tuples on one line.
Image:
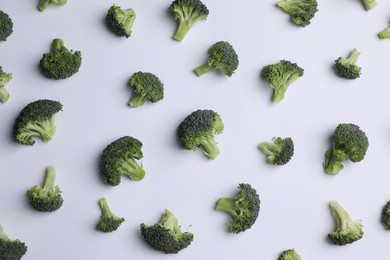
[(347, 68), (280, 152), (301, 11), (4, 79), (11, 249), (289, 254), (145, 86), (386, 215), (108, 220), (6, 26), (44, 4), (369, 4), (120, 21)]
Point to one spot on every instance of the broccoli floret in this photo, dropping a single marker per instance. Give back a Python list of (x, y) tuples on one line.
[(48, 197), (145, 86), (108, 220), (198, 130), (120, 21), (118, 159), (348, 141), (347, 230), (243, 208), (36, 119), (280, 76), (347, 68), (60, 63), (289, 254), (166, 236), (279, 152), (11, 249), (223, 57), (4, 79), (187, 12), (369, 4), (6, 26), (43, 4), (386, 215), (301, 11)]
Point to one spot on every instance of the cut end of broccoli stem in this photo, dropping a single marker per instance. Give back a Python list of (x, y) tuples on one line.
[(201, 70), (136, 100), (181, 31), (210, 147), (227, 205), (43, 5), (4, 95), (384, 34), (369, 4)]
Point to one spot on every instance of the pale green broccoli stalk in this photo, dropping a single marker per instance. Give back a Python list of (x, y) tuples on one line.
[(120, 21), (384, 34), (4, 79), (43, 4), (369, 4)]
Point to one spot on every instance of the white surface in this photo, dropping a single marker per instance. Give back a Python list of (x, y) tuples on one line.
[(294, 211)]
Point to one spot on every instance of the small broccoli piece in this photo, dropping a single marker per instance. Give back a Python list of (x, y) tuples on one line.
[(36, 119), (108, 220), (146, 86), (369, 4), (46, 198), (347, 230), (187, 12), (280, 76), (60, 63), (384, 34), (347, 68), (289, 254), (223, 57), (11, 249), (198, 130), (6, 26), (118, 159), (243, 208), (348, 141), (386, 215), (120, 21), (43, 4), (4, 79), (279, 152), (301, 11), (166, 236)]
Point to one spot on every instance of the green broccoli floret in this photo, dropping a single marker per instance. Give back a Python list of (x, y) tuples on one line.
[(348, 141), (43, 4), (166, 236), (347, 68), (198, 130), (280, 76), (369, 4), (347, 230), (118, 159), (386, 215), (60, 63), (187, 12), (6, 26), (36, 119), (279, 152), (243, 208), (145, 86), (46, 198), (223, 57), (301, 11), (120, 21), (289, 254), (11, 249), (108, 220), (4, 79)]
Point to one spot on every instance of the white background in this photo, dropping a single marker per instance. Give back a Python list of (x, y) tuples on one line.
[(294, 198)]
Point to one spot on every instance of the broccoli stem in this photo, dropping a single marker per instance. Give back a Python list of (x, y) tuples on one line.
[(210, 147), (279, 93), (182, 30), (270, 150), (384, 34), (352, 59), (3, 236), (57, 44), (227, 205), (369, 4), (132, 169), (203, 69), (4, 95), (106, 211), (43, 4), (48, 185), (137, 100), (45, 129), (340, 215), (333, 161), (169, 221)]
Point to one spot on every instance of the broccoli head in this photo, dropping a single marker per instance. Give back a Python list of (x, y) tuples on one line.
[(349, 141), (280, 76), (289, 254), (145, 86), (386, 215), (118, 159), (223, 57), (198, 129), (243, 208), (11, 249), (120, 21), (301, 11), (347, 68), (36, 119), (347, 230), (108, 221), (369, 4), (43, 4), (187, 12), (279, 152), (166, 236), (60, 63), (6, 26), (4, 79)]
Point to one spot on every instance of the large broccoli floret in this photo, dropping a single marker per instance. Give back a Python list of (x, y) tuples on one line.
[(145, 86), (120, 21), (6, 26), (36, 119), (43, 4), (108, 220), (11, 249), (60, 63), (187, 12), (348, 141), (347, 230), (4, 79), (223, 57), (280, 76), (198, 130), (243, 208), (166, 236), (119, 159), (289, 254), (386, 215), (347, 68), (369, 4), (279, 152), (301, 11)]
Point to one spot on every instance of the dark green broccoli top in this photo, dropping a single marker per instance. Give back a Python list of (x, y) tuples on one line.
[(6, 26), (146, 86), (11, 249), (120, 21), (280, 152), (347, 68), (301, 11), (386, 215), (289, 254)]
